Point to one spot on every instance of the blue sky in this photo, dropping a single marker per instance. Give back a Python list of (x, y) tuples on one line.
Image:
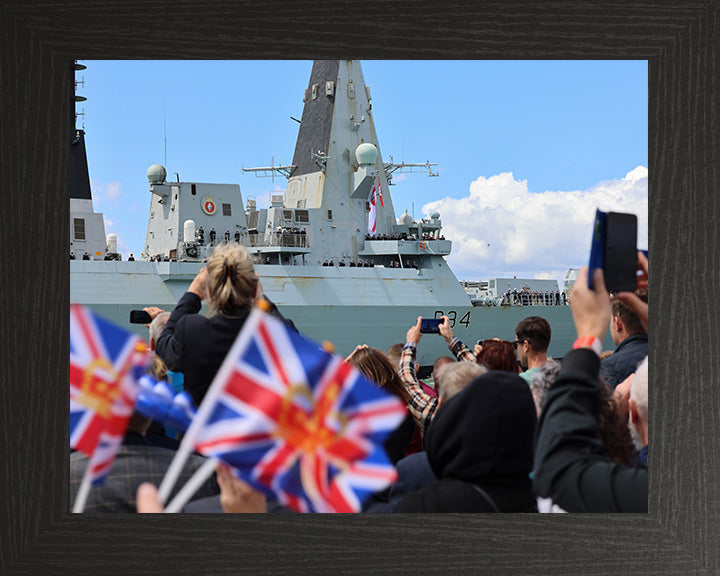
[(526, 150)]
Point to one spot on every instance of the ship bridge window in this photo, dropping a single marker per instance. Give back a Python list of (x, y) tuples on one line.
[(79, 228), (227, 210), (302, 216), (193, 189), (287, 215)]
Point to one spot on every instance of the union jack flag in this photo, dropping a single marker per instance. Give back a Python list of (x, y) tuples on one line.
[(105, 362), (297, 422)]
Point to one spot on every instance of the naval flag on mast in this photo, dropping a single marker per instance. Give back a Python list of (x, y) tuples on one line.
[(371, 217)]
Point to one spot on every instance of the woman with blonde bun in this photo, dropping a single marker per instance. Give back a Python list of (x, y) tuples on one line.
[(196, 345)]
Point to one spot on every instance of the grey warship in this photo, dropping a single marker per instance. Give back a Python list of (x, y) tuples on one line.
[(315, 256)]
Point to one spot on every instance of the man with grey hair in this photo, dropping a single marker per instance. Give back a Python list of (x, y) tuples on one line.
[(453, 377), (638, 411), (156, 328)]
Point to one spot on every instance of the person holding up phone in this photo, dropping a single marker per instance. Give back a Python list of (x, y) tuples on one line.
[(628, 331), (570, 464)]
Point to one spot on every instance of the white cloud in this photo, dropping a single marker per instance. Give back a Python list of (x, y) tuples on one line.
[(108, 223), (502, 229), (106, 193)]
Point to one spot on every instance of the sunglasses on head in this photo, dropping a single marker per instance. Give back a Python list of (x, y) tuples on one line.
[(492, 341)]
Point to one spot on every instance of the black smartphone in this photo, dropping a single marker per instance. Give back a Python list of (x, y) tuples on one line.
[(620, 261), (430, 325), (139, 317)]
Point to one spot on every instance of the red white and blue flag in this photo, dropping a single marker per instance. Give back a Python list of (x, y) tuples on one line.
[(372, 226), (296, 422), (105, 363), (379, 187)]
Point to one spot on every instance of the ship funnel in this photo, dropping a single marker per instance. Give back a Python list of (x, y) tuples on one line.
[(112, 243), (189, 230)]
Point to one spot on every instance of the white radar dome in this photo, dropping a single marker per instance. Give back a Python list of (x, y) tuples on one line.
[(189, 230), (366, 153), (112, 243), (156, 174), (406, 219), (435, 215)]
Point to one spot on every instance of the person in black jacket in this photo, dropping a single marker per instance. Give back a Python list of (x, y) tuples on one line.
[(571, 467), (480, 446), (196, 345)]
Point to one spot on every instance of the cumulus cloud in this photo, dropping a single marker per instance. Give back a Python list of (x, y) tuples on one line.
[(106, 193), (108, 223), (502, 229)]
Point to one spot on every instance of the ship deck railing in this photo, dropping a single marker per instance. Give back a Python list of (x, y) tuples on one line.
[(277, 239), (519, 300)]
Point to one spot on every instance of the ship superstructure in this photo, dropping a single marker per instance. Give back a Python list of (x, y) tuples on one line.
[(330, 251)]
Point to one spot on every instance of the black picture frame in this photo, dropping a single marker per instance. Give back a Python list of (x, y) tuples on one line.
[(38, 40)]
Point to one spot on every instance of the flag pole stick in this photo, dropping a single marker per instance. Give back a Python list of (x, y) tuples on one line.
[(83, 492), (192, 486), (206, 407)]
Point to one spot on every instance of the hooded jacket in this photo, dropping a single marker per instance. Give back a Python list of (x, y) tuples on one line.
[(481, 438)]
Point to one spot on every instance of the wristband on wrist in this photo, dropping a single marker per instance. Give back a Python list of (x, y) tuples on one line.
[(589, 342)]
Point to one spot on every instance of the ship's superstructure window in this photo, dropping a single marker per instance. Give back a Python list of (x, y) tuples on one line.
[(302, 216), (287, 215), (367, 206), (227, 210), (193, 189), (329, 214), (79, 228)]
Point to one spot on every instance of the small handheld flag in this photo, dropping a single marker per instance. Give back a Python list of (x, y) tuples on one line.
[(296, 422), (105, 363)]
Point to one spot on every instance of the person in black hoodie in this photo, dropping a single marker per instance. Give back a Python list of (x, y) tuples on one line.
[(480, 446)]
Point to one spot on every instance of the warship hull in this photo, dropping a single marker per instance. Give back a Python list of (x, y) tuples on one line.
[(347, 306)]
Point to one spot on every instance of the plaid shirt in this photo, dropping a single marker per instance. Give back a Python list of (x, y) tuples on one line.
[(422, 406), (133, 465), (462, 352)]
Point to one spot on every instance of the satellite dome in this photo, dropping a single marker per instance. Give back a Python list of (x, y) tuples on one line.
[(435, 215), (156, 174), (406, 219), (366, 153)]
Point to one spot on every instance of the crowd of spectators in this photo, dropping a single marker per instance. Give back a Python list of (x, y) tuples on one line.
[(500, 427)]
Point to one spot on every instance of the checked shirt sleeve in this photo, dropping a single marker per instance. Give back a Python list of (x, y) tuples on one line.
[(462, 352), (422, 406)]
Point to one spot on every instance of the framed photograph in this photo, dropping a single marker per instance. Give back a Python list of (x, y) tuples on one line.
[(39, 42)]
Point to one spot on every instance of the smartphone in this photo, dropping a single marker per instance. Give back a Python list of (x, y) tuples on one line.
[(614, 249), (620, 268), (430, 325), (139, 317)]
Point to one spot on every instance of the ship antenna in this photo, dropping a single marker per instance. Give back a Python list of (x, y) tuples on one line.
[(165, 131)]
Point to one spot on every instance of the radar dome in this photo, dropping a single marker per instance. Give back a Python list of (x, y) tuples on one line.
[(406, 219), (366, 153), (112, 243), (435, 215), (156, 174)]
